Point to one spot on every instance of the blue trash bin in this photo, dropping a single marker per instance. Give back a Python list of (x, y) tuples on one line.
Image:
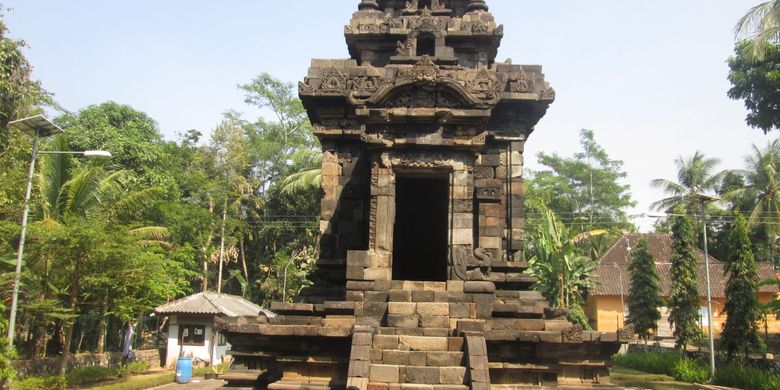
[(184, 370)]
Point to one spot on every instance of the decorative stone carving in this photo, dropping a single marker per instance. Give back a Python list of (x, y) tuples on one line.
[(572, 334), (488, 194), (483, 82), (404, 48), (365, 83), (626, 333), (479, 28), (521, 83), (484, 258), (548, 93), (304, 88), (334, 80)]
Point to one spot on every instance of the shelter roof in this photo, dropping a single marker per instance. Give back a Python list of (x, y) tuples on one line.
[(213, 303)]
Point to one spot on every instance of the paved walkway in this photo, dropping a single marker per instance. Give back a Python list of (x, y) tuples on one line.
[(199, 384)]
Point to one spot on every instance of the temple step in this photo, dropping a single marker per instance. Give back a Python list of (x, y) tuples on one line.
[(432, 361)]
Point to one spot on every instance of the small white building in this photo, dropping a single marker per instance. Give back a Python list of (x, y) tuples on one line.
[(191, 321)]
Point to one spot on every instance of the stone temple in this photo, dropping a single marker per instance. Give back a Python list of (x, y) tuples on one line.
[(420, 282)]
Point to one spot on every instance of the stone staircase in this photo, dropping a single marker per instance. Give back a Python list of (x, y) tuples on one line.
[(420, 342)]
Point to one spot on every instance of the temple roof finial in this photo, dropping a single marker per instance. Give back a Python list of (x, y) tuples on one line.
[(368, 5), (477, 5)]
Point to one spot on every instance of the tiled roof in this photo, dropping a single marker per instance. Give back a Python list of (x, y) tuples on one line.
[(212, 303), (613, 267)]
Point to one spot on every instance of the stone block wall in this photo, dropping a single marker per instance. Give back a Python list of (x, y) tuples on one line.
[(50, 366)]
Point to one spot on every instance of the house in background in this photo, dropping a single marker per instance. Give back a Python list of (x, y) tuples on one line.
[(607, 304), (191, 321)]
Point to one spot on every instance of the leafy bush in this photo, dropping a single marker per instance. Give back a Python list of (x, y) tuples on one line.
[(89, 375), (746, 378), (690, 371), (133, 368), (40, 383), (652, 362)]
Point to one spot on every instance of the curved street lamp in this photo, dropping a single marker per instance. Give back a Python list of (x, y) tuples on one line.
[(37, 126)]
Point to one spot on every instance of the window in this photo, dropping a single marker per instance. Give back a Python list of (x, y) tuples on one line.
[(426, 45), (705, 319), (421, 4), (192, 334), (221, 340)]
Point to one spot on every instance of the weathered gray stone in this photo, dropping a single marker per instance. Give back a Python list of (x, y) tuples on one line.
[(384, 373), (423, 375)]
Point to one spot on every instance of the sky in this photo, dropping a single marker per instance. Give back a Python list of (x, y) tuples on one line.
[(649, 77)]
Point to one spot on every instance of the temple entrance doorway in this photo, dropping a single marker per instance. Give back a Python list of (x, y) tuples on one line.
[(420, 233)]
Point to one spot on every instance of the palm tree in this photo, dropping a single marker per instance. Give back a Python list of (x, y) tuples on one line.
[(762, 185), (694, 177), (306, 172), (759, 27), (72, 195)]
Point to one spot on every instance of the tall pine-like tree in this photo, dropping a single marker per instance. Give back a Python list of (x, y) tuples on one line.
[(740, 332), (645, 294), (684, 299)]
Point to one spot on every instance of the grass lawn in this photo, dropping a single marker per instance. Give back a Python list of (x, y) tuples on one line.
[(146, 381), (631, 378)]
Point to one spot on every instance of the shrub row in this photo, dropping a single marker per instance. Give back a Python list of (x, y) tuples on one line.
[(81, 377), (747, 378), (683, 369)]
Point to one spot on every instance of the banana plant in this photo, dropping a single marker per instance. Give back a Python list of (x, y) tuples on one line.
[(562, 271)]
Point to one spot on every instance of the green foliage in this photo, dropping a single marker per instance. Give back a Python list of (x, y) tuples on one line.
[(131, 136), (563, 274), (758, 30), (695, 177), (41, 383), (740, 332), (19, 93), (7, 352), (652, 362), (756, 83), (688, 370), (744, 377), (132, 368), (645, 293), (90, 375), (760, 193), (584, 191), (273, 143), (684, 297), (671, 363)]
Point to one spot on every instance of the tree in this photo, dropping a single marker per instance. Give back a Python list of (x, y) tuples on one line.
[(684, 299), (740, 332), (759, 28), (585, 189), (89, 197), (762, 188), (645, 294), (695, 177), (563, 274), (19, 93), (130, 135), (757, 82), (274, 142), (305, 173)]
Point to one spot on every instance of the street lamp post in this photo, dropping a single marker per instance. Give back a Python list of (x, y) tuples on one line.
[(37, 126), (702, 200)]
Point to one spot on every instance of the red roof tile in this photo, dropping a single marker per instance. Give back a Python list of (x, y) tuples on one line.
[(613, 267)]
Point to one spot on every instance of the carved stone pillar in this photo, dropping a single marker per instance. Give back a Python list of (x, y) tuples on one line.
[(368, 5), (477, 5)]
